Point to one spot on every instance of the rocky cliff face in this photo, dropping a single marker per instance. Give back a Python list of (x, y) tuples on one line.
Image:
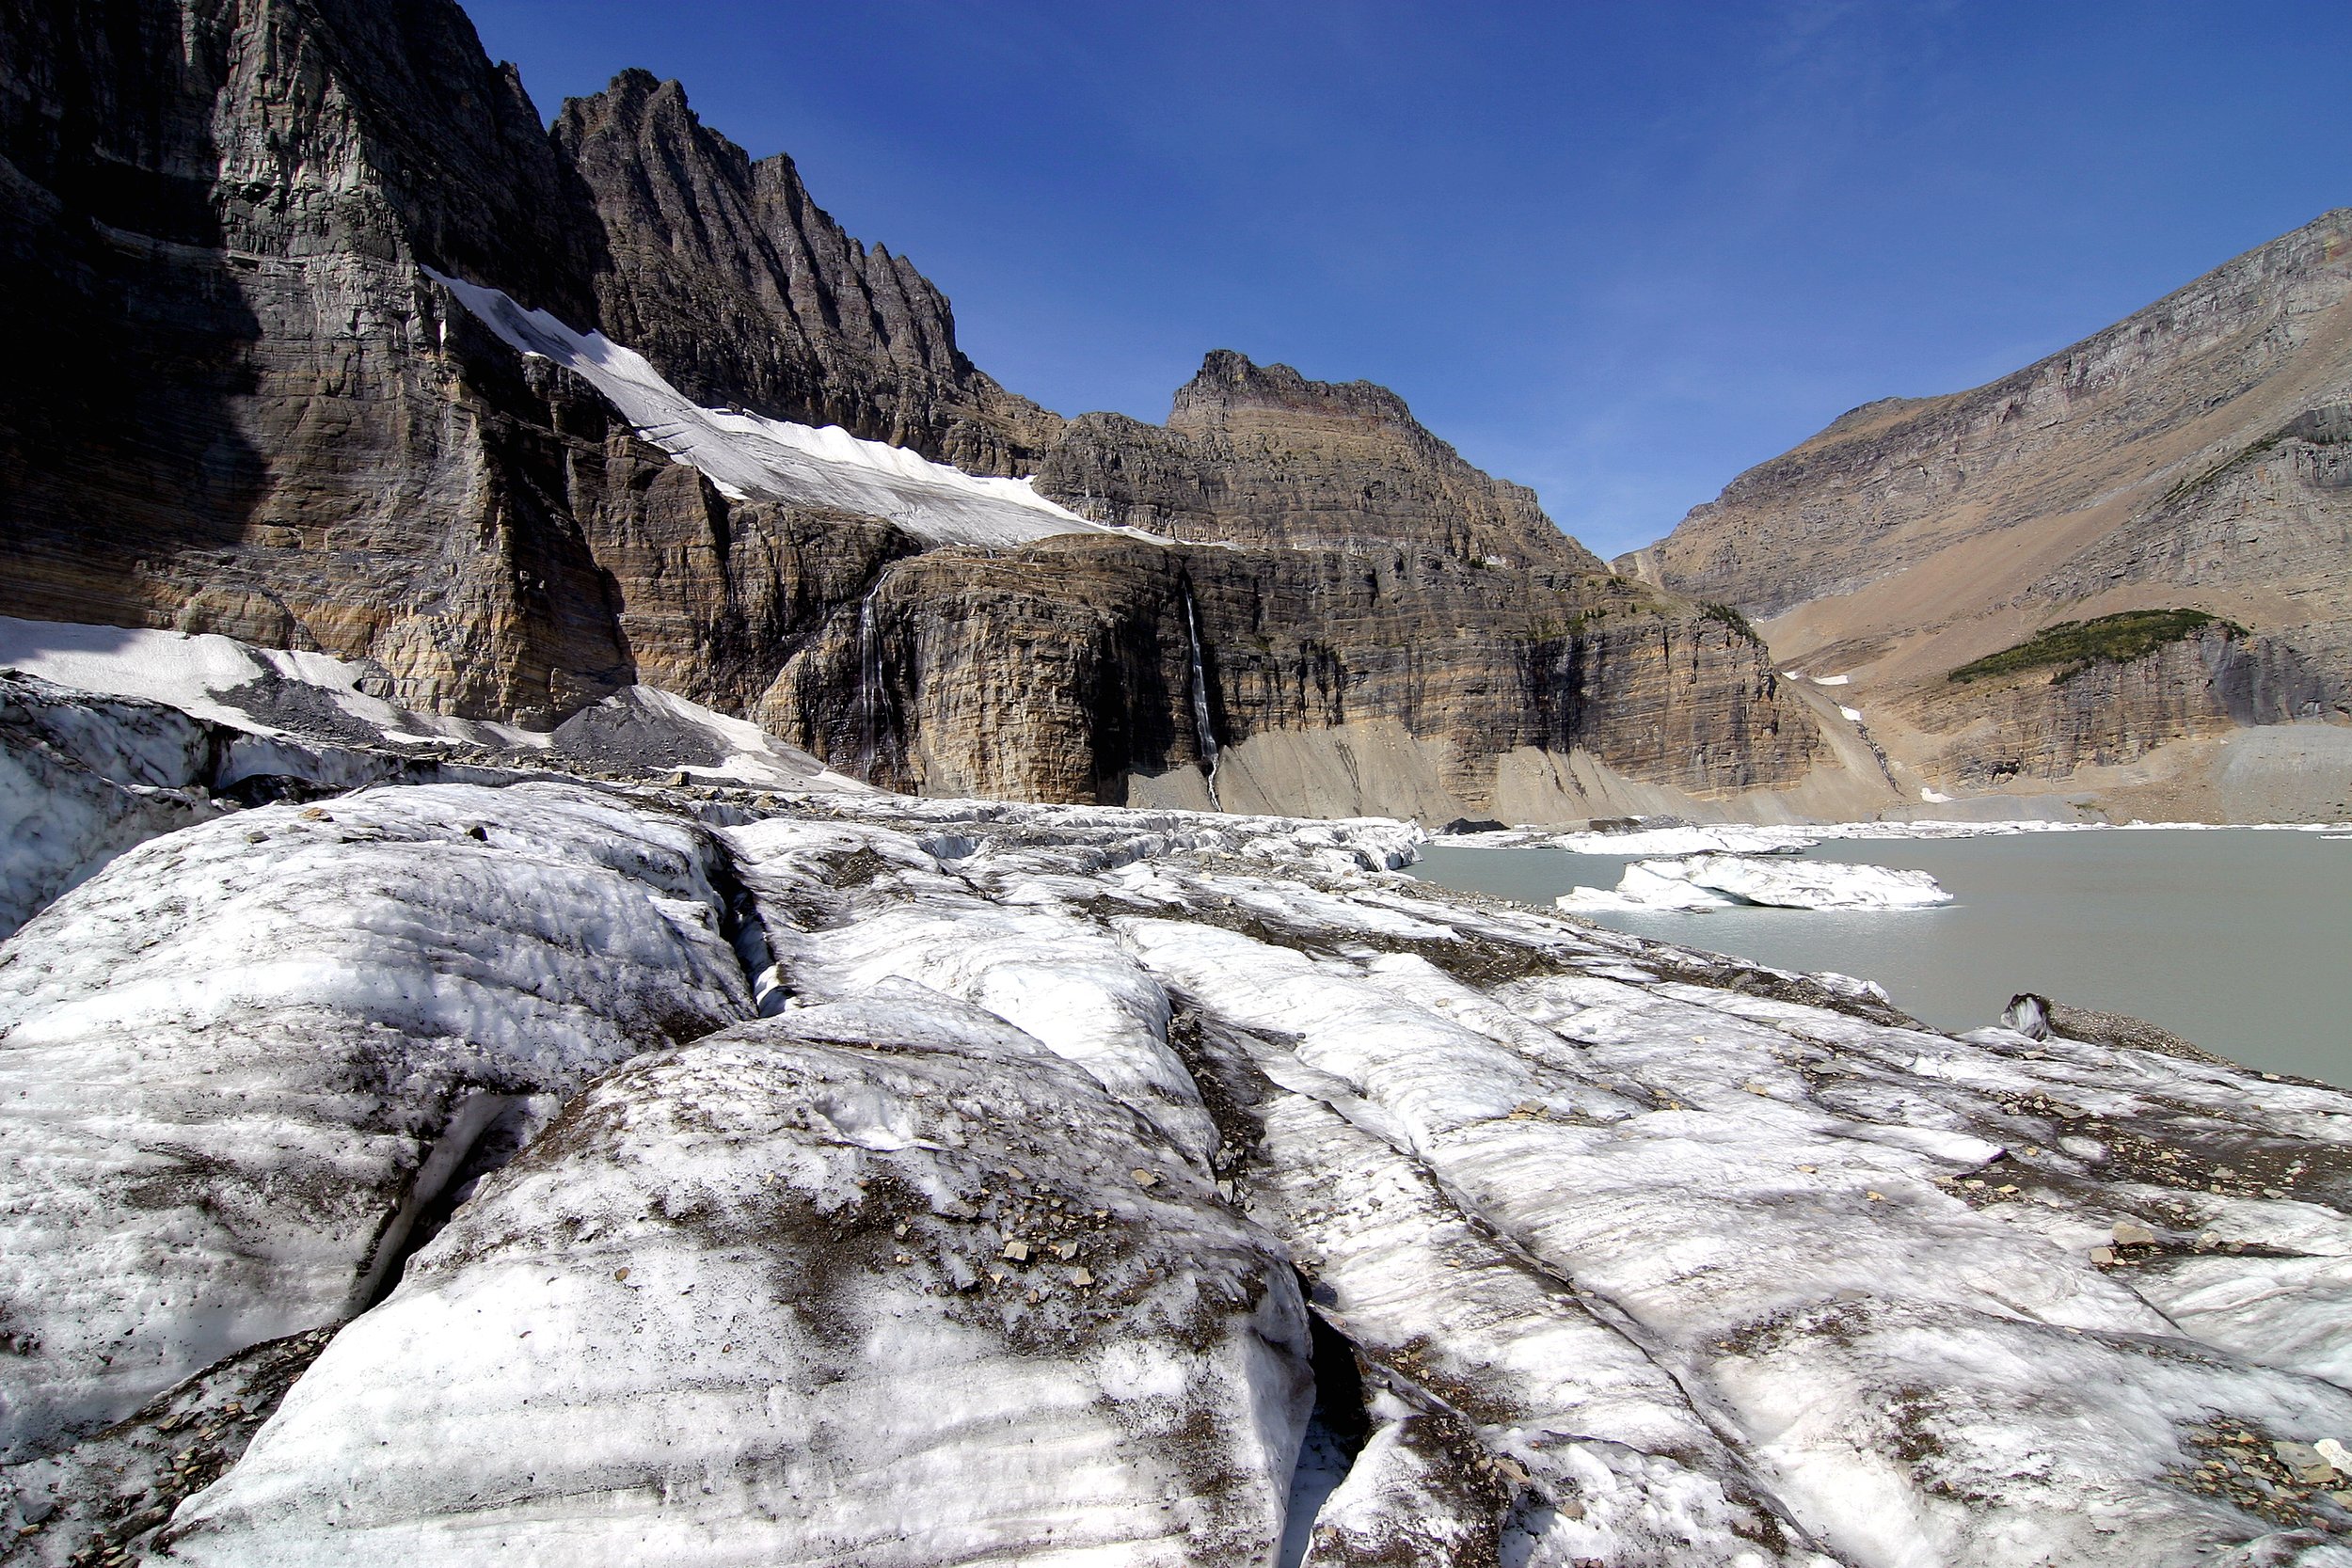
[(2191, 456), (261, 416), (244, 414), (1460, 671), (1260, 455), (2034, 726), (726, 273)]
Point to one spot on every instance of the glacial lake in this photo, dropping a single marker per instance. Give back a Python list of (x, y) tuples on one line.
[(2239, 938)]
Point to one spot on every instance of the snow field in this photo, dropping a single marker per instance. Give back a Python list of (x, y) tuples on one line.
[(750, 457)]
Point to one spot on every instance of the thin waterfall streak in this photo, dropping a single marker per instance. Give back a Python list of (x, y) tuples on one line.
[(1204, 727), (870, 689)]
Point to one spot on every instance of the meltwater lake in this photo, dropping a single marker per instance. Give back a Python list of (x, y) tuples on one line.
[(2239, 938)]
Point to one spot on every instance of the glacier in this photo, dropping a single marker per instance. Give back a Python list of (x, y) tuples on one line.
[(749, 457), (533, 1168)]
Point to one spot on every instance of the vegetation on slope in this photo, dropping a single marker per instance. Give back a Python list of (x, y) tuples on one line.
[(1731, 618), (2073, 646)]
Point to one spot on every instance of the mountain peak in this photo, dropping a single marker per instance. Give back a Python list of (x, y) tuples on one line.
[(1229, 380)]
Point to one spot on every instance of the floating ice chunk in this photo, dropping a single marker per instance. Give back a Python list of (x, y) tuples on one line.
[(1647, 885), (1718, 882), (1723, 837)]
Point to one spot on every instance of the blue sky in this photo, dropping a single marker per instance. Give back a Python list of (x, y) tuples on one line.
[(1615, 251)]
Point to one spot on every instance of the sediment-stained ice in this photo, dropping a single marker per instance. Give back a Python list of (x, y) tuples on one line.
[(82, 779), (883, 1282), (1635, 1255), (233, 1064)]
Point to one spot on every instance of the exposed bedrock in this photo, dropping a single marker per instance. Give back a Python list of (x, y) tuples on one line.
[(2030, 725), (259, 417), (2197, 454), (2244, 357), (255, 416), (1062, 672), (247, 419), (1259, 455), (724, 272)]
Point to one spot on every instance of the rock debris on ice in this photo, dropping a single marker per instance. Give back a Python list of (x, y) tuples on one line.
[(693, 1176)]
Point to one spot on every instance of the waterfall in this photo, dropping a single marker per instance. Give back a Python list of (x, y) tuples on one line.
[(869, 680), (1204, 727)]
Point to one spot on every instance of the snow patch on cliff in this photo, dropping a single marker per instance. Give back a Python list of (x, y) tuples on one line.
[(748, 456)]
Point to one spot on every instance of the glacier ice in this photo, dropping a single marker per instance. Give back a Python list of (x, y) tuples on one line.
[(1713, 882), (1645, 1256), (749, 457)]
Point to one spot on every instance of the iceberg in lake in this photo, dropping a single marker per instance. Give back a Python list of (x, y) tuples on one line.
[(1718, 881)]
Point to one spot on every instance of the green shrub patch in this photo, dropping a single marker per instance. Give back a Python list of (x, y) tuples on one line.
[(2073, 647)]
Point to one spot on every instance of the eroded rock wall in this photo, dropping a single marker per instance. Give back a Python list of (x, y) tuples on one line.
[(1260, 455), (725, 273), (1063, 671), (2036, 726), (256, 414)]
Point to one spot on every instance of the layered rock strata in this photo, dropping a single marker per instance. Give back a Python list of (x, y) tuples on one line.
[(2193, 455), (237, 213), (725, 273), (1259, 455), (1466, 666)]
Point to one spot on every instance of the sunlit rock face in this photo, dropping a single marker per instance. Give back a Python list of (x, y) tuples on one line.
[(284, 414), (721, 1174), (2196, 454), (1260, 455), (726, 272), (1064, 671)]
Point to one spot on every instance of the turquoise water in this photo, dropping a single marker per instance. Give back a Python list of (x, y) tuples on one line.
[(2239, 938)]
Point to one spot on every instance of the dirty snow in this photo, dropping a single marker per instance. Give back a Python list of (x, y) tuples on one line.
[(1645, 1257), (224, 1058)]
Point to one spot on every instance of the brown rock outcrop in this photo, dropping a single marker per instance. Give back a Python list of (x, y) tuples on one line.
[(2197, 454), (254, 414), (1260, 455), (238, 413), (2032, 727), (1063, 670)]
